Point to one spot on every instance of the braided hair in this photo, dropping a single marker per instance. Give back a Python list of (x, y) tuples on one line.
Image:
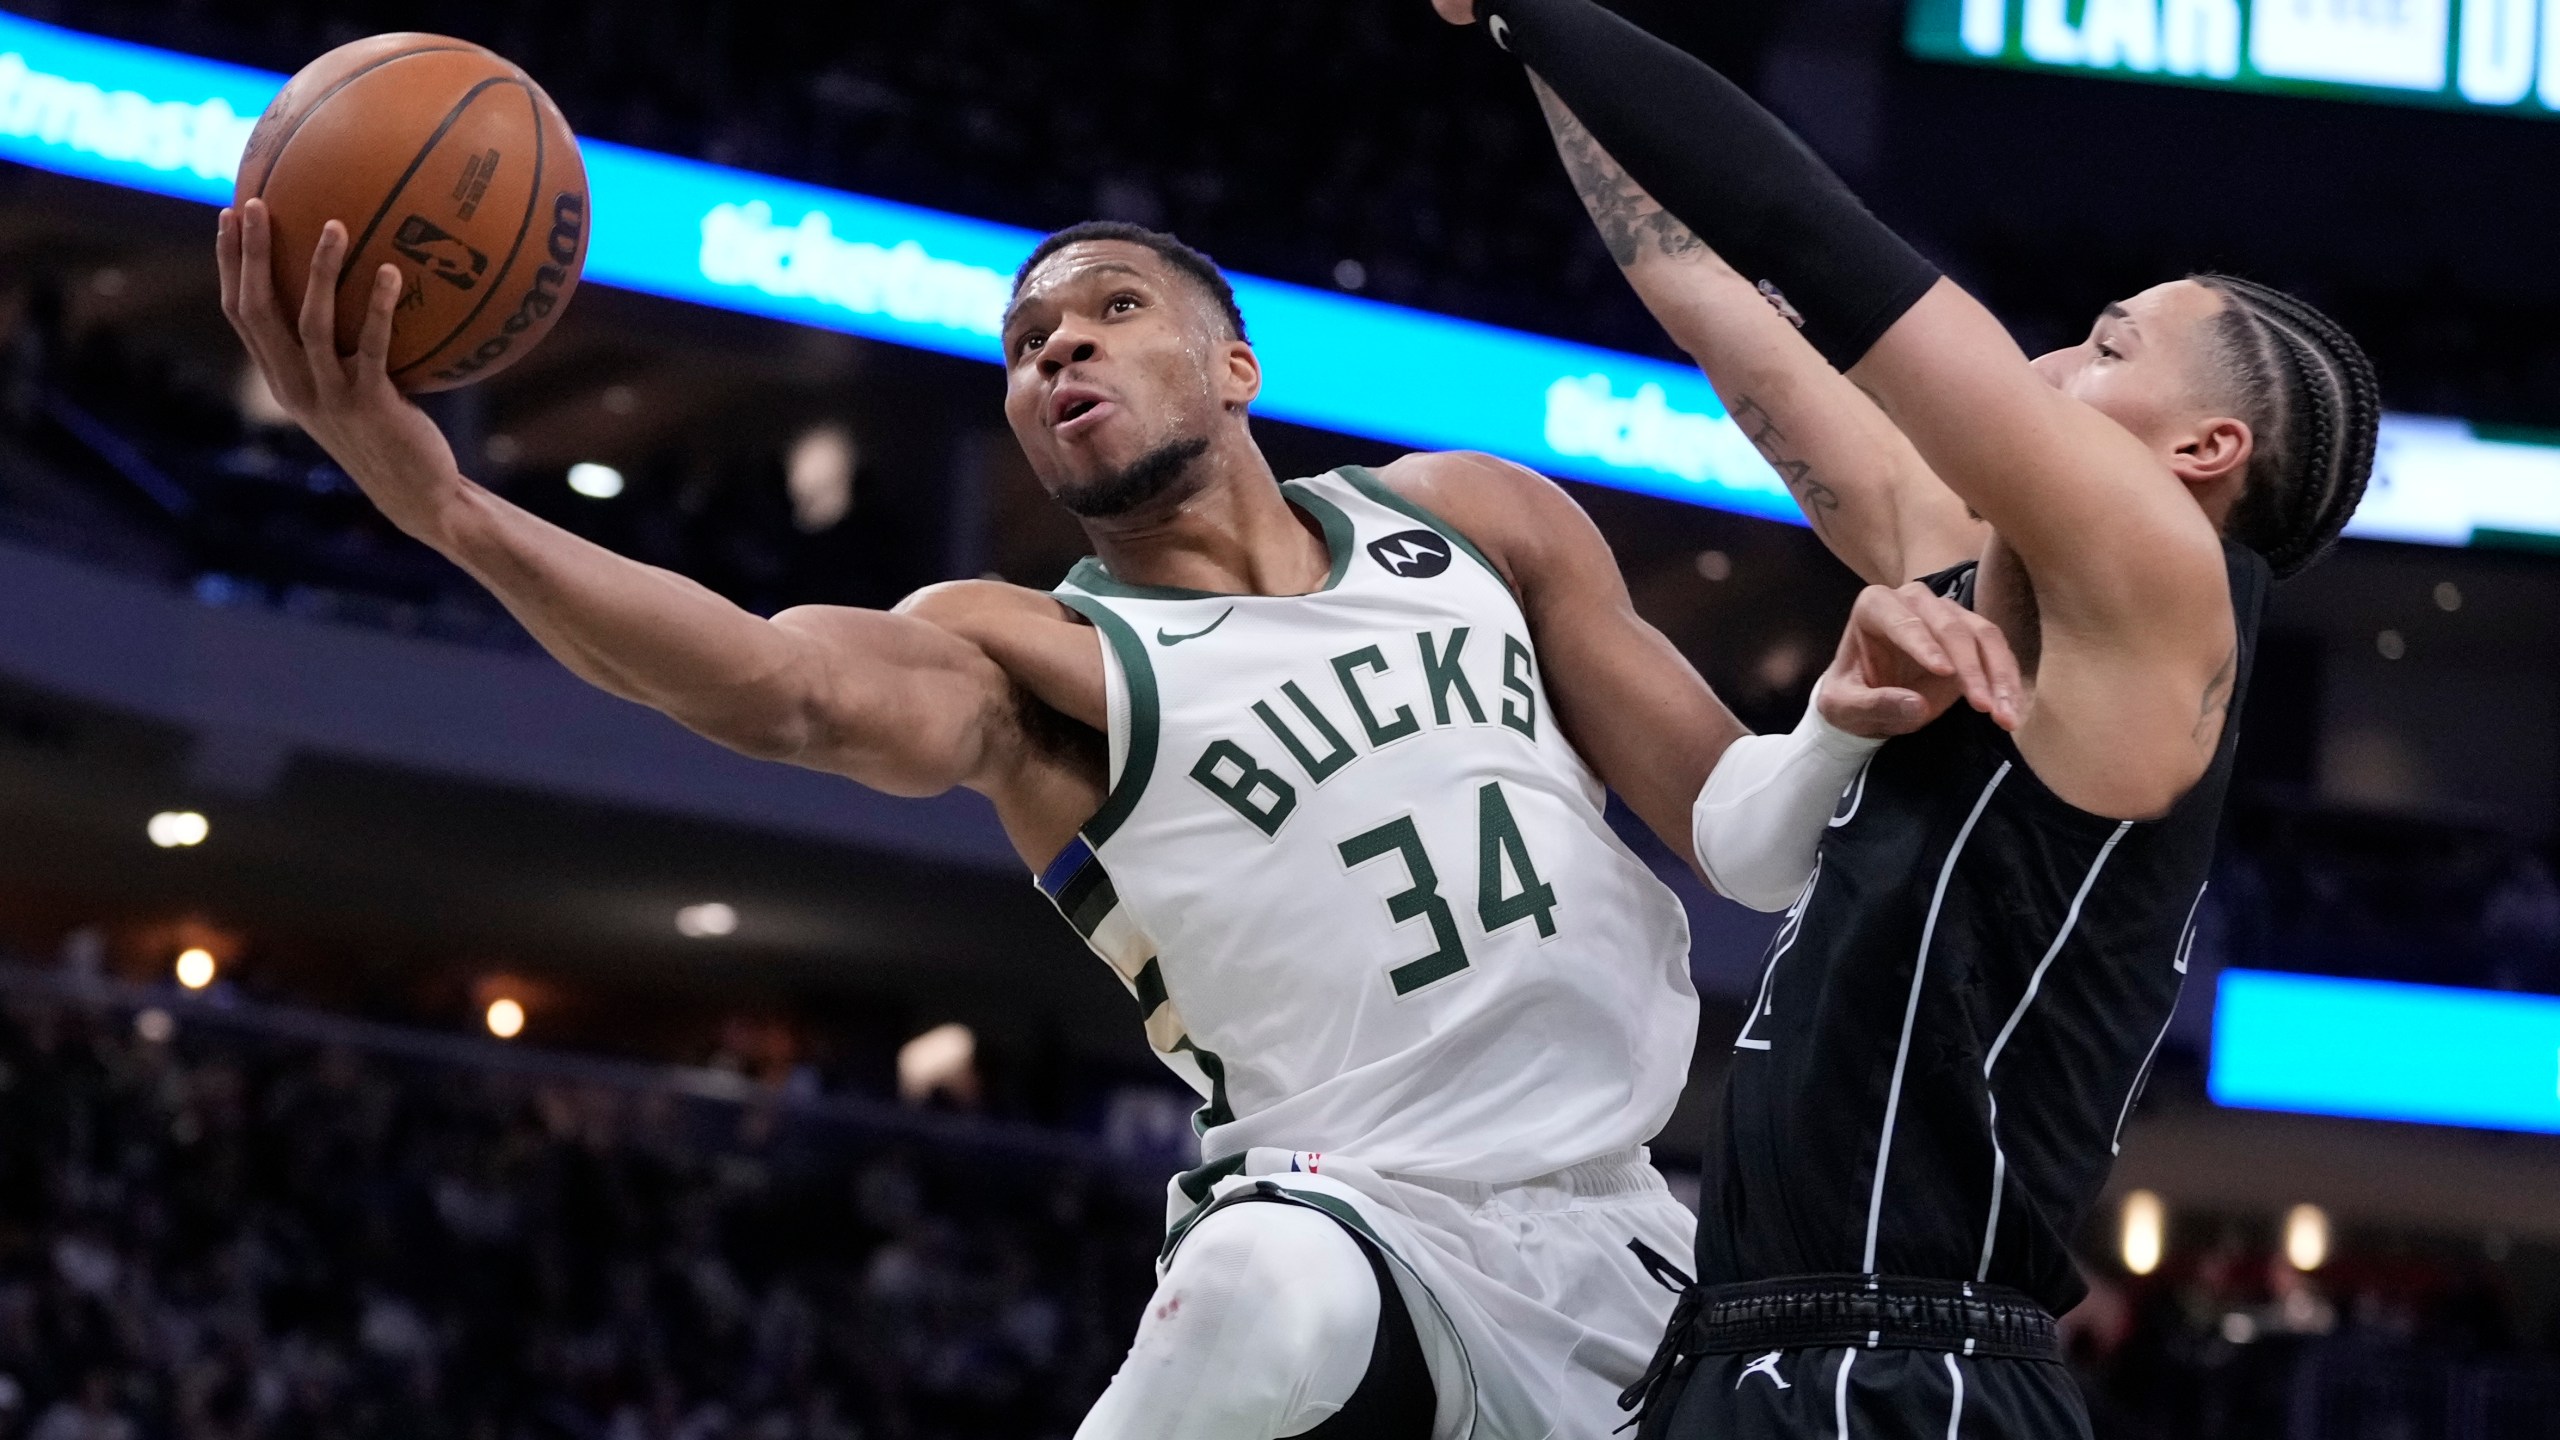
[(2312, 404)]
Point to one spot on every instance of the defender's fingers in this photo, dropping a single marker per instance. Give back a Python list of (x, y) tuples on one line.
[(1990, 668), (1947, 623), (1893, 617), (2000, 663), (373, 346), (1876, 712)]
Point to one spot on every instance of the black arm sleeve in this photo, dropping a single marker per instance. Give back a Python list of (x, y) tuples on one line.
[(1728, 169)]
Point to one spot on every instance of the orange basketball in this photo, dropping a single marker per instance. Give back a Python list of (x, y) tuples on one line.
[(444, 159)]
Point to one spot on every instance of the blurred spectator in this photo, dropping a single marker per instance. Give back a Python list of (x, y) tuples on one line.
[(216, 1240)]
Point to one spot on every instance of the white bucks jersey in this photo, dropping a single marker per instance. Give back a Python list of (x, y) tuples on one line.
[(1359, 883)]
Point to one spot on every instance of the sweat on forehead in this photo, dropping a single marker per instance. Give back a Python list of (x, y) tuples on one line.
[(1134, 246)]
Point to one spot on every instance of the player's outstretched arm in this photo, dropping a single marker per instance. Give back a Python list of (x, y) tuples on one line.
[(896, 702), (1862, 486)]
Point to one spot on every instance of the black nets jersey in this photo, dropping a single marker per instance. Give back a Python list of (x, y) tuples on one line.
[(1959, 1013)]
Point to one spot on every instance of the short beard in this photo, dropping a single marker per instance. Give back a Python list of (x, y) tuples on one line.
[(1140, 483)]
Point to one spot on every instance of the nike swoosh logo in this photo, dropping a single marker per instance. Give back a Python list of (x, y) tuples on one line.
[(1168, 638)]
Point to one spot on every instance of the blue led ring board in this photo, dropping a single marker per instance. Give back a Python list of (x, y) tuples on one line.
[(174, 124)]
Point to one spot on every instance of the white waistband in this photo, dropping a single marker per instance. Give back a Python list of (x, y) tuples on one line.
[(1621, 1172)]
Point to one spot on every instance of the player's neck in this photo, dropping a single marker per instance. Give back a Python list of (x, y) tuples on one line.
[(1231, 533)]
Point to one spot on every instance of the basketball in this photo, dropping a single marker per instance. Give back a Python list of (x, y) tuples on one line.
[(444, 159)]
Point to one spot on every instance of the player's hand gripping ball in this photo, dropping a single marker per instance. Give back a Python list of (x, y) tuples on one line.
[(445, 160)]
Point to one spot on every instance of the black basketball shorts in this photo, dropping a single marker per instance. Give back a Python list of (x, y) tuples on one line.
[(1855, 1393)]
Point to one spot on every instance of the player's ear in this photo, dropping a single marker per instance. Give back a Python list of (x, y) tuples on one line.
[(1241, 383), (2215, 451)]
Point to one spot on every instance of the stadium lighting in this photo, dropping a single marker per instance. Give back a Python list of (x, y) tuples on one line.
[(257, 402), (2145, 1224), (195, 967), (155, 1025), (177, 829), (505, 1018), (943, 1059), (818, 475), (708, 921), (596, 482), (2306, 1238)]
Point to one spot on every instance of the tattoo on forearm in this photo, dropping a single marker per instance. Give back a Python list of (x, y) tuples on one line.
[(1629, 220), (1821, 503), (2217, 694)]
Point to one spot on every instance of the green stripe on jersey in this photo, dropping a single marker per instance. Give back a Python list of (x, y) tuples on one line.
[(1145, 716), (1338, 533), (1150, 987), (1090, 576)]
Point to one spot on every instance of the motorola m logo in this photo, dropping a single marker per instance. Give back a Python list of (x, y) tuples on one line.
[(1413, 555)]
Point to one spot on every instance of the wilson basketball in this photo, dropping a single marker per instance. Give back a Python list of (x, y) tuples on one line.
[(446, 160)]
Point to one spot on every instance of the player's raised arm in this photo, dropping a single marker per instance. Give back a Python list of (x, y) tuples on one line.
[(891, 700), (2046, 470), (2200, 411), (1862, 486)]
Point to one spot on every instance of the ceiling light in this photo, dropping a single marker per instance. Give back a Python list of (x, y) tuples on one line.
[(2448, 596), (621, 400), (2306, 1238), (1351, 275), (257, 401), (1715, 565), (177, 829), (942, 1060), (195, 967), (706, 921), (2145, 1224), (818, 474), (2390, 645), (155, 1026), (506, 1018), (596, 482)]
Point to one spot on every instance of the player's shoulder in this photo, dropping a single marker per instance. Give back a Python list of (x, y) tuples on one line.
[(1519, 518), (965, 605), (1028, 632), (1047, 649), (1463, 478)]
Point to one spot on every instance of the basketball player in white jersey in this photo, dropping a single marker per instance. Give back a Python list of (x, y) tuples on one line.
[(1318, 768)]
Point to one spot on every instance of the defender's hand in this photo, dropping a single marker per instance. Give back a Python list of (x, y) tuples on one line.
[(395, 454), (1907, 655), (1456, 12)]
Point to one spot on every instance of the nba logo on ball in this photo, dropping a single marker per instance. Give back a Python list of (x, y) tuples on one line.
[(1413, 555), (446, 161)]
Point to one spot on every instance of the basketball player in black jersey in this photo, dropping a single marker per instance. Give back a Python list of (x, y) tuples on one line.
[(1963, 1004)]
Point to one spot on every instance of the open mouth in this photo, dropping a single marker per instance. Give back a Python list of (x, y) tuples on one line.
[(1077, 408)]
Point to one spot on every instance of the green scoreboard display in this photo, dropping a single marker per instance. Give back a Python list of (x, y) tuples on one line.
[(2496, 55)]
